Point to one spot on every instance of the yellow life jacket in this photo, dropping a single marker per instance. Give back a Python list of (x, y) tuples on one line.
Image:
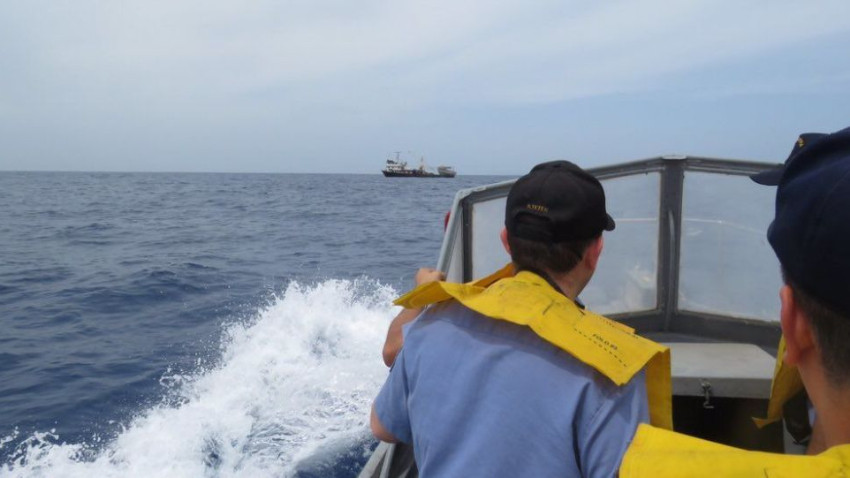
[(656, 453), (786, 383), (527, 299)]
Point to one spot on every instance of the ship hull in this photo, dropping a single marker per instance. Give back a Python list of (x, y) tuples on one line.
[(414, 173)]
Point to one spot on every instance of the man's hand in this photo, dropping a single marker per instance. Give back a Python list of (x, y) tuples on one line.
[(394, 341), (427, 274)]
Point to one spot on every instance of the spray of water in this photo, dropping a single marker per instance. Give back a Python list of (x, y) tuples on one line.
[(293, 385)]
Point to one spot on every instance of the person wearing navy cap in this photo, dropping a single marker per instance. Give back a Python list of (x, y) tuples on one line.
[(811, 237), (788, 399)]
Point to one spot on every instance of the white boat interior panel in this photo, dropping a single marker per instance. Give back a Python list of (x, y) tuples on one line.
[(721, 369)]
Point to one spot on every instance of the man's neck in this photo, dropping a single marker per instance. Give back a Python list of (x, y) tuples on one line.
[(830, 402), (833, 418), (571, 284)]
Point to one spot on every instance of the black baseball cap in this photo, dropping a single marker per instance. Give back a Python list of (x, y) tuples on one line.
[(557, 202), (772, 176), (810, 232)]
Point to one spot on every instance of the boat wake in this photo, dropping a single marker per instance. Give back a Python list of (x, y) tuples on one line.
[(290, 396)]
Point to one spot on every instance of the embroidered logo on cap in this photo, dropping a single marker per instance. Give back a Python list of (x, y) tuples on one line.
[(537, 207)]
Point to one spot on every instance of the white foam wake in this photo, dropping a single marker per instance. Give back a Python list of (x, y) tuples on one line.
[(293, 384)]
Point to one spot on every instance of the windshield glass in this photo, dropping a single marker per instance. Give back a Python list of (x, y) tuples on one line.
[(727, 265), (626, 276)]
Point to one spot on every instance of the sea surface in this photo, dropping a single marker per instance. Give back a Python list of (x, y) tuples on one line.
[(202, 325)]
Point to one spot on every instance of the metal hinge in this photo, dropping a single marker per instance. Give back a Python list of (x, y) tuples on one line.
[(706, 392)]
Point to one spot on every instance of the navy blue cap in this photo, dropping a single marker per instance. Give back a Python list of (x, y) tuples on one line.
[(557, 202), (810, 232), (772, 176)]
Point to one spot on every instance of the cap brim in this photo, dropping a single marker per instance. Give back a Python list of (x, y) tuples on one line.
[(609, 223), (771, 177)]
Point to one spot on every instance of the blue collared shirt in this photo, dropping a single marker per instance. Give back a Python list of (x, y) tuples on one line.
[(483, 397)]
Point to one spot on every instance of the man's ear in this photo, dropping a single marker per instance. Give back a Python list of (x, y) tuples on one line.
[(504, 237), (594, 250), (796, 327)]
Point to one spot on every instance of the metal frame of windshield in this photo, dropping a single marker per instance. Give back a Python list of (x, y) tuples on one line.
[(666, 317)]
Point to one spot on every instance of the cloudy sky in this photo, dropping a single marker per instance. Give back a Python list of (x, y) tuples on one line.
[(337, 85)]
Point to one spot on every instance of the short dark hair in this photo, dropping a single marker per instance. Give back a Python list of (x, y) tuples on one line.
[(832, 333), (538, 256)]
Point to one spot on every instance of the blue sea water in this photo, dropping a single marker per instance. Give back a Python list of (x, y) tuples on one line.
[(201, 324)]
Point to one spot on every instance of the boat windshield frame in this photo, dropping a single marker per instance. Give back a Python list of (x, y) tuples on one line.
[(666, 321)]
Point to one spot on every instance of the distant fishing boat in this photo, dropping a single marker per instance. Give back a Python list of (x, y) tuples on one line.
[(397, 168)]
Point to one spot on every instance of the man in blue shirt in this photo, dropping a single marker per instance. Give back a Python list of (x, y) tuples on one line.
[(491, 381)]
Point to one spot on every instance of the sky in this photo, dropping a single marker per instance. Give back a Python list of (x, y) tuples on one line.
[(336, 86)]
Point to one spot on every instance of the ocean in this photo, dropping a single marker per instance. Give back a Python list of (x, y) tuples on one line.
[(202, 325)]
